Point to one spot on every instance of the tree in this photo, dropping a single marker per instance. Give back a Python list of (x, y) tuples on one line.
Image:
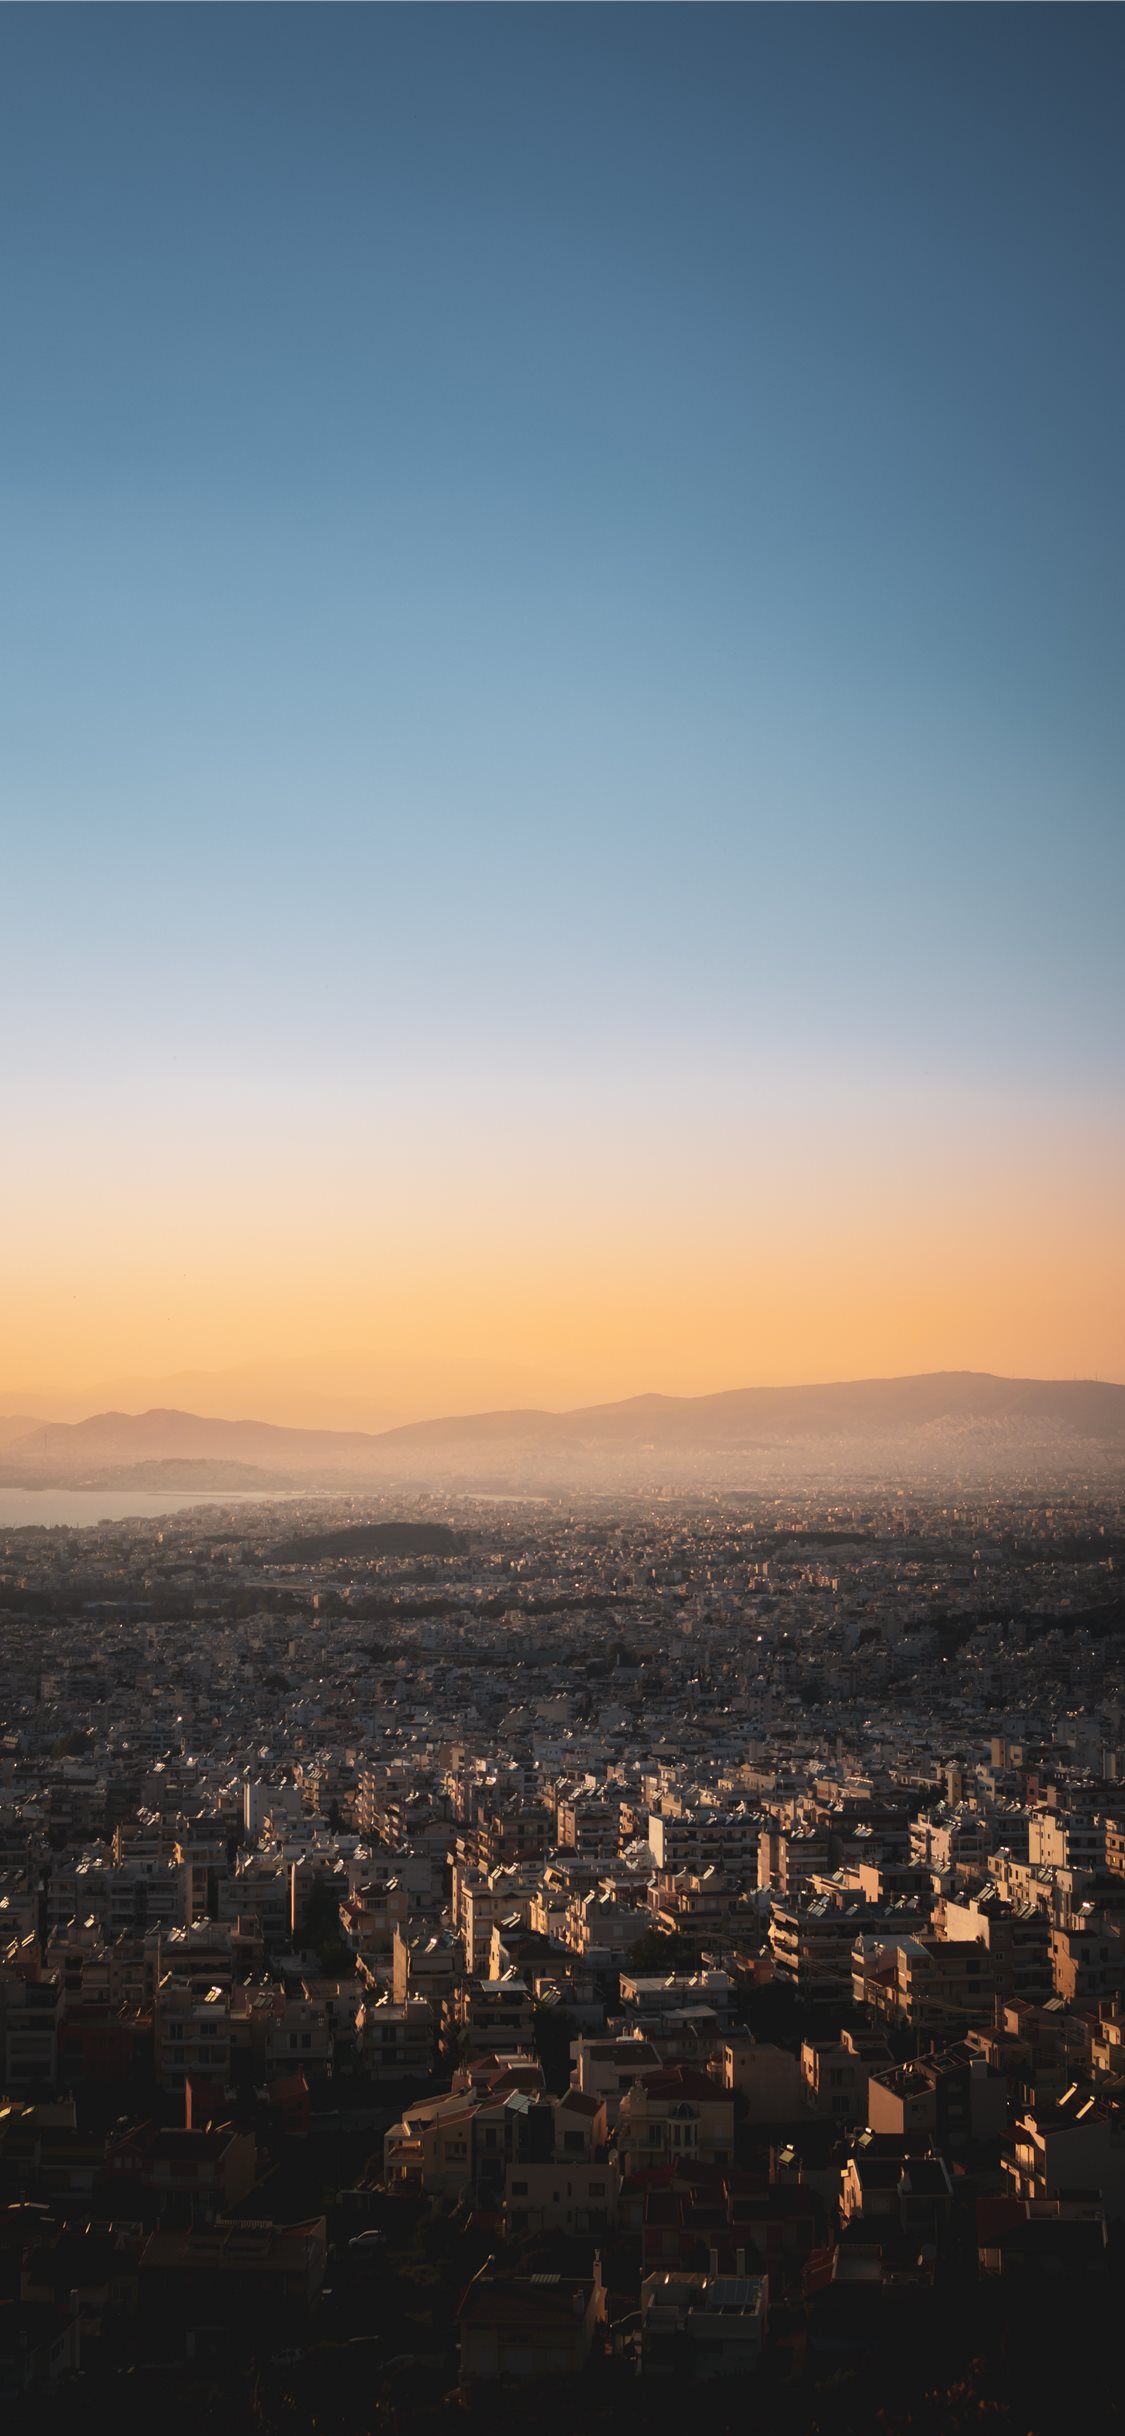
[(320, 1926), (657, 1952)]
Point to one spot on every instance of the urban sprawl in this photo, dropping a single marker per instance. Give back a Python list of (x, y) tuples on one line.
[(494, 1959)]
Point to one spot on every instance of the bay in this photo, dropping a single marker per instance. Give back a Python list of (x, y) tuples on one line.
[(79, 1508)]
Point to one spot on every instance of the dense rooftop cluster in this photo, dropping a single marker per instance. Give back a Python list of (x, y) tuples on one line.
[(663, 1940)]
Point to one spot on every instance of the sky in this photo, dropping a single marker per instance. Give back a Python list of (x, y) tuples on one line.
[(561, 625)]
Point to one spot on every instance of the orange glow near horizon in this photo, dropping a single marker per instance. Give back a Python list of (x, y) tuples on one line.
[(366, 1322), (701, 1239)]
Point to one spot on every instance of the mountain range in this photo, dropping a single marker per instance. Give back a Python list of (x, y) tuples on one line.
[(921, 1416)]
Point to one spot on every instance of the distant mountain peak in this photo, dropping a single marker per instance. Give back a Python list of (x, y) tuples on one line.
[(751, 1420)]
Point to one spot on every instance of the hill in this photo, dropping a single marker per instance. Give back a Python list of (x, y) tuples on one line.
[(166, 1436), (371, 1539), (848, 1408), (210, 1473), (931, 1419)]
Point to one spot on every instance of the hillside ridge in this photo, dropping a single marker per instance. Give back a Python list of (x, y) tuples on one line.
[(753, 1417)]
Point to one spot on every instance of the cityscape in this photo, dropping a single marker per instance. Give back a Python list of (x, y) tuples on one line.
[(467, 1951), (562, 1301)]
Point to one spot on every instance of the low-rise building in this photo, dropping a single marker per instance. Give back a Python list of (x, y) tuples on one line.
[(702, 2325)]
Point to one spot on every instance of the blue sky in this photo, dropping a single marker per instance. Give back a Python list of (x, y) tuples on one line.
[(572, 542)]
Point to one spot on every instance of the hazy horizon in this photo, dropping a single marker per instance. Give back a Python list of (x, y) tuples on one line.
[(210, 1396)]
